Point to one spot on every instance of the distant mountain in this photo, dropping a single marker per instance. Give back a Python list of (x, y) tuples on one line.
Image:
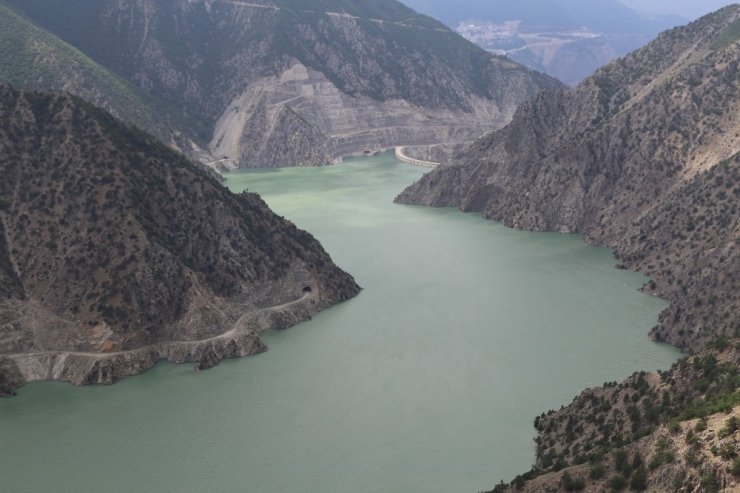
[(290, 82), (568, 39), (607, 16), (116, 252), (540, 13), (641, 157)]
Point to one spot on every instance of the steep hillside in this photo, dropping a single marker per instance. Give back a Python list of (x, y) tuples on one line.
[(332, 77), (117, 252), (668, 431), (35, 59), (643, 158)]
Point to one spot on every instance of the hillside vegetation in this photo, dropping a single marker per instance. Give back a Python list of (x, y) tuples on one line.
[(34, 58), (113, 242)]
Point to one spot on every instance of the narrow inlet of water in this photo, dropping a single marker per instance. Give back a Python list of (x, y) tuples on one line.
[(427, 382)]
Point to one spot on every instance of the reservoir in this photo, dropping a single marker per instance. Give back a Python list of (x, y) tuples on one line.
[(428, 381)]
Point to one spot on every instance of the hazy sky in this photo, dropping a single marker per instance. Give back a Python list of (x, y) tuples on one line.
[(691, 9), (446, 9)]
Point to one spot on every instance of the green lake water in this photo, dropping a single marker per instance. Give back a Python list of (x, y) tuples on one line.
[(427, 382)]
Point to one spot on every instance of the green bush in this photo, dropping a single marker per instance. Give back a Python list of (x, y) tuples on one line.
[(735, 469), (728, 451), (691, 438), (655, 462), (731, 426), (710, 483), (617, 483), (639, 480), (597, 471), (572, 484), (621, 463), (693, 458)]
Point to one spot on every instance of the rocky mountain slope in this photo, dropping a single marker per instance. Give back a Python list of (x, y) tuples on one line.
[(287, 82), (642, 158), (34, 58), (116, 252), (676, 430)]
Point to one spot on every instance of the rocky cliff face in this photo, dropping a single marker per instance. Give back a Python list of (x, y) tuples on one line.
[(116, 252), (317, 79), (643, 158), (302, 118)]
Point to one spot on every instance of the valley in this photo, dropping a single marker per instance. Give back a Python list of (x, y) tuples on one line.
[(368, 394), (159, 161)]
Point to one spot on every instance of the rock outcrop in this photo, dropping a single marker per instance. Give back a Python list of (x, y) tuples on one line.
[(290, 82), (642, 158), (116, 252), (302, 118)]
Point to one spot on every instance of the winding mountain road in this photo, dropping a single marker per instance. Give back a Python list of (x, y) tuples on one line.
[(235, 329)]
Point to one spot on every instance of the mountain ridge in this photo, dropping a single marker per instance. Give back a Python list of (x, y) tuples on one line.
[(355, 81)]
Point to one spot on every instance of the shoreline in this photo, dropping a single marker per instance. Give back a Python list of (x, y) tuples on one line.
[(87, 368)]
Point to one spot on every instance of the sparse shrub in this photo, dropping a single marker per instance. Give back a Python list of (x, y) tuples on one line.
[(710, 483), (519, 482), (621, 463), (617, 483), (597, 471), (731, 426), (639, 480), (572, 484), (693, 458), (691, 438), (735, 469), (728, 451)]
